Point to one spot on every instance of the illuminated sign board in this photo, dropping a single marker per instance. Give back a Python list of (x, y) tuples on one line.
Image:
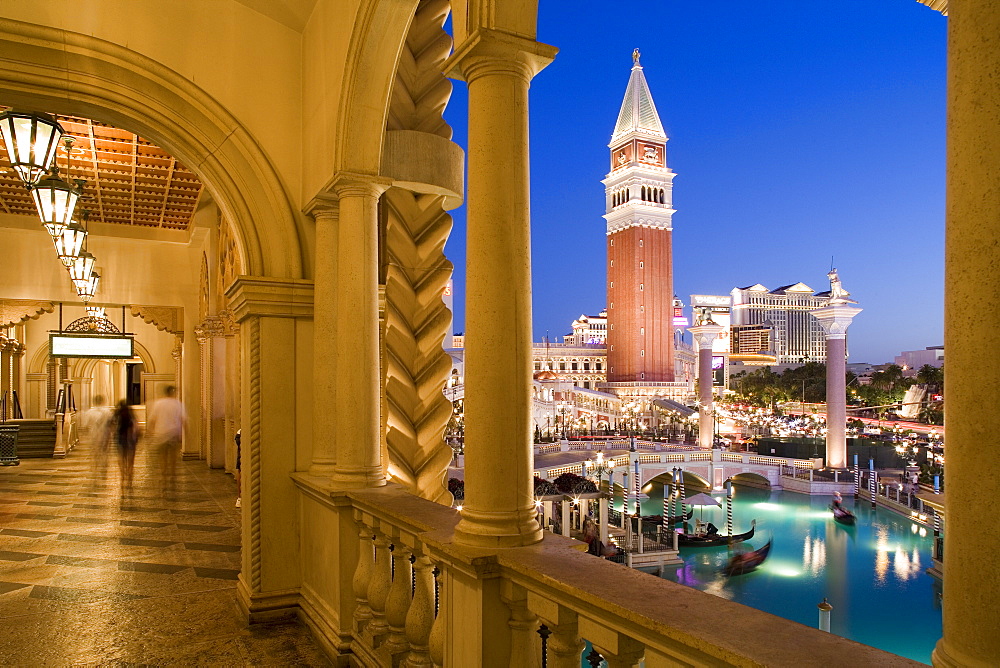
[(90, 346)]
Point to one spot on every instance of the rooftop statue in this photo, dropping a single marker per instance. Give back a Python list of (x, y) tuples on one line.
[(838, 295)]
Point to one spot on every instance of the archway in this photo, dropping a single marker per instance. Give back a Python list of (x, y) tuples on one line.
[(115, 85)]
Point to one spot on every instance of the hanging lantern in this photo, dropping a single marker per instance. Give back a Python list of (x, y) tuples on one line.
[(88, 289), (55, 200), (69, 243), (31, 141), (81, 268)]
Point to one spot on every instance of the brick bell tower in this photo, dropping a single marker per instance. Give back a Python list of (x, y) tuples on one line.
[(640, 264)]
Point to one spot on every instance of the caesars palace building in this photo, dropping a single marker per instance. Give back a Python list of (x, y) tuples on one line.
[(269, 186)]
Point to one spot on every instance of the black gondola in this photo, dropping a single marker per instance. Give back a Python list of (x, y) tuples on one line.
[(843, 515), (673, 519), (747, 561), (715, 540)]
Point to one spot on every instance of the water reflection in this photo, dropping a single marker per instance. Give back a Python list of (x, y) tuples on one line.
[(863, 571)]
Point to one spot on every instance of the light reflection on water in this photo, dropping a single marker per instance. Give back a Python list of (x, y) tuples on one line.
[(873, 574)]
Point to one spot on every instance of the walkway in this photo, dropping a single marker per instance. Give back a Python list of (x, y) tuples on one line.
[(88, 577)]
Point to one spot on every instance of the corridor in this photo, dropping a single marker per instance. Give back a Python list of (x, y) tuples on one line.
[(89, 576)]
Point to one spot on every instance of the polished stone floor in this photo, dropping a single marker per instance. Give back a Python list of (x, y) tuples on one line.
[(91, 575)]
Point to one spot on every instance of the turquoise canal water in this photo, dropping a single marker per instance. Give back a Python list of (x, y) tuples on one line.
[(873, 574)]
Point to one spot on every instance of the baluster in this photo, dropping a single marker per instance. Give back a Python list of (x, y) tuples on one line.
[(378, 588), (439, 629), (362, 576), (397, 603), (525, 649), (563, 647), (420, 616)]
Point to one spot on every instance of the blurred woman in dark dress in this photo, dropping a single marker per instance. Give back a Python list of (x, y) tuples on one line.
[(126, 431)]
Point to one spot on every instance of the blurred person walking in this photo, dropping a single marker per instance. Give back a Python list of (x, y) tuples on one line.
[(126, 431), (165, 424), (97, 434)]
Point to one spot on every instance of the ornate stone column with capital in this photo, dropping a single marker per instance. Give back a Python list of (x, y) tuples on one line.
[(704, 335), (498, 509), (357, 370), (835, 318)]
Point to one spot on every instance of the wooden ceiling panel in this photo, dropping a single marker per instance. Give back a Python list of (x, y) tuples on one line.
[(129, 180)]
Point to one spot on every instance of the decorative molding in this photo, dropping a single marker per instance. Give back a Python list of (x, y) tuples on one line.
[(14, 311), (252, 446), (275, 297), (415, 318), (164, 318), (222, 325)]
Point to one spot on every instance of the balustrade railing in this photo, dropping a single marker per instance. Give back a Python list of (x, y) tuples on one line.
[(398, 591)]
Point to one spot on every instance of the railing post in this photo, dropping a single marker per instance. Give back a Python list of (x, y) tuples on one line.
[(420, 616), (564, 645), (525, 645), (435, 642), (397, 603), (362, 574), (378, 589)]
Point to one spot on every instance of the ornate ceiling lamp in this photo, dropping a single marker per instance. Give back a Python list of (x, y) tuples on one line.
[(55, 198), (31, 140), (81, 268), (88, 289), (69, 243)]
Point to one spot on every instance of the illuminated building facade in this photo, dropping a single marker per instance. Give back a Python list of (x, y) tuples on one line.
[(796, 334)]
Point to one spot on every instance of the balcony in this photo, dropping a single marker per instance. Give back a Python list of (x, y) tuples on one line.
[(386, 583)]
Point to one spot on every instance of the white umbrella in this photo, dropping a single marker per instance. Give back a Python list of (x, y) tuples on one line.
[(701, 499)]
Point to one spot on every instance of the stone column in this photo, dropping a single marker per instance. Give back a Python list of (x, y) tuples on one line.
[(835, 318), (275, 316), (971, 626), (357, 392), (324, 362), (499, 507), (704, 335)]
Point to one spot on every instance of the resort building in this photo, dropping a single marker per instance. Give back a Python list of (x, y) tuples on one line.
[(795, 334), (269, 186), (912, 360)]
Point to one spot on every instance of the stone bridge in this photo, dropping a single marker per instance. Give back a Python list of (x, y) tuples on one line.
[(657, 460)]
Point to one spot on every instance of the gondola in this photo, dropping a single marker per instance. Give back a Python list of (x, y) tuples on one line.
[(694, 540), (843, 516), (672, 520), (747, 561)]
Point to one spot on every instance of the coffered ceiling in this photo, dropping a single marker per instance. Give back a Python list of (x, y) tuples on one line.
[(129, 180)]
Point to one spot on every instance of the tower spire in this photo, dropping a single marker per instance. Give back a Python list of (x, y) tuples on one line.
[(638, 113)]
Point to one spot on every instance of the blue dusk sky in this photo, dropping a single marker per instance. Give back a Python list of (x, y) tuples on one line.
[(799, 130)]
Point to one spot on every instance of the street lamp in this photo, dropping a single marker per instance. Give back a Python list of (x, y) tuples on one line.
[(600, 467)]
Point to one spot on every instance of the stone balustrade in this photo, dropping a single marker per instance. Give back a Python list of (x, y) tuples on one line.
[(390, 581)]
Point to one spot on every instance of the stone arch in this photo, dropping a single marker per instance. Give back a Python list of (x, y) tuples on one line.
[(752, 479), (64, 72)]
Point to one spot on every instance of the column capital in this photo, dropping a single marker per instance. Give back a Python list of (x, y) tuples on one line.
[(266, 296), (488, 51), (323, 207), (835, 319), (352, 184), (706, 334)]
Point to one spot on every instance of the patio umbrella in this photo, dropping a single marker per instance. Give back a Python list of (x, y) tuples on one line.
[(701, 499)]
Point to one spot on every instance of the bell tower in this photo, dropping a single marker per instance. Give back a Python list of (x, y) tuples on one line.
[(638, 192)]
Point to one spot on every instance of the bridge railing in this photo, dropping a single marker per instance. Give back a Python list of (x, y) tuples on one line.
[(797, 468), (610, 444)]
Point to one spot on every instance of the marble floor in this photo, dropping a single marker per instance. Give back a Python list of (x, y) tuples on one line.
[(94, 575)]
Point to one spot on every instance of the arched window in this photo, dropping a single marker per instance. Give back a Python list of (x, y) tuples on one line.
[(663, 197)]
